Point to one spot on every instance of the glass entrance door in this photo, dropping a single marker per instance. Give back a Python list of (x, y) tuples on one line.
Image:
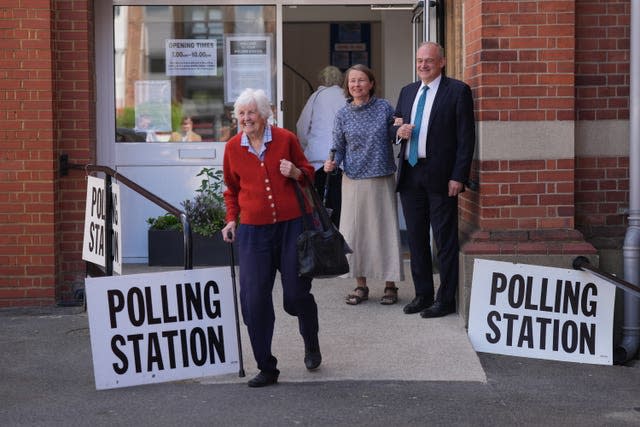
[(168, 73), (175, 72), (427, 23)]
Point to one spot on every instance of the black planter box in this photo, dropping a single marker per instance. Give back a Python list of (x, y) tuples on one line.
[(166, 248)]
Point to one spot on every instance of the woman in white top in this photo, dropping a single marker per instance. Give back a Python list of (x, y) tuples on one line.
[(314, 129)]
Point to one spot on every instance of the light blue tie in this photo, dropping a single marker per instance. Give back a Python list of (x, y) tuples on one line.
[(415, 133)]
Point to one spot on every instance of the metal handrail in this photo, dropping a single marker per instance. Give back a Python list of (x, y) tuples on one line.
[(297, 73), (186, 226), (582, 263)]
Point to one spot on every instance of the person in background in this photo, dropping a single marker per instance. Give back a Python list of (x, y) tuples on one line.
[(369, 219), (261, 166), (226, 126), (186, 134), (441, 127), (144, 125), (314, 128)]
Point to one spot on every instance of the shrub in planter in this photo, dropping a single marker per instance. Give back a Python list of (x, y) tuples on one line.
[(205, 213)]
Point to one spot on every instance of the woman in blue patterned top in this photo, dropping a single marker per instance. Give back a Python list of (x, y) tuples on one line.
[(369, 217)]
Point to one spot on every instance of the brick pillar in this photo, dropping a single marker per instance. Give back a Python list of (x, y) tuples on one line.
[(46, 108), (73, 56), (27, 168), (602, 126), (520, 62)]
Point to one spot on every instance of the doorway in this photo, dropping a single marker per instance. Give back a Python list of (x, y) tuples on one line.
[(135, 42), (311, 33)]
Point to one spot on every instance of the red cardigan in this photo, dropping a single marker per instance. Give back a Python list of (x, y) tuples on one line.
[(257, 193)]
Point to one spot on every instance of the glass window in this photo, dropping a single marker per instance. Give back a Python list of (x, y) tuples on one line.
[(178, 69)]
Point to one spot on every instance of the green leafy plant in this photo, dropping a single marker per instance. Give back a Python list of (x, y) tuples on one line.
[(205, 212), (165, 222), (126, 118)]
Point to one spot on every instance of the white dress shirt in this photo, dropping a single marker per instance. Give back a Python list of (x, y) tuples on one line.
[(424, 126)]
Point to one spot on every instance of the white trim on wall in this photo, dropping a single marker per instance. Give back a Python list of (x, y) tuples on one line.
[(525, 140)]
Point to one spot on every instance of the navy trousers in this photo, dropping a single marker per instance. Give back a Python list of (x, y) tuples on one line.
[(424, 209), (263, 250)]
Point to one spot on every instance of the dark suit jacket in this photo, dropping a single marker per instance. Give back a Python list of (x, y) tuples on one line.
[(451, 133)]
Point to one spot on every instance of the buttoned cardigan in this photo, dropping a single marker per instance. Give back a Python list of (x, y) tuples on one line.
[(256, 192)]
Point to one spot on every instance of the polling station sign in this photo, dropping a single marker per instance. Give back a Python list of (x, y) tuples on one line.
[(95, 235), (541, 312), (157, 327)]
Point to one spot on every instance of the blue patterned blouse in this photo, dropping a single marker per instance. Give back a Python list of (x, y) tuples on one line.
[(362, 139)]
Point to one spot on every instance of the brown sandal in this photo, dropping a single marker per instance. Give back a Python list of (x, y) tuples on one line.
[(358, 295), (390, 296)]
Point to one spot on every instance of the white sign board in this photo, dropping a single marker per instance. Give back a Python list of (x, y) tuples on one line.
[(541, 312), (158, 327), (191, 57), (247, 65), (94, 242)]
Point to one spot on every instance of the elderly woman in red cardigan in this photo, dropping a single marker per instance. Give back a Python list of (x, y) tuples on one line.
[(261, 165)]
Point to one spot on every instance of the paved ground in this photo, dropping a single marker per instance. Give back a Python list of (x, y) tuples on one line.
[(361, 342), (381, 367)]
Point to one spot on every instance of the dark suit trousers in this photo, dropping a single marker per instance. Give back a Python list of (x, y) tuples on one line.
[(424, 209), (263, 250)]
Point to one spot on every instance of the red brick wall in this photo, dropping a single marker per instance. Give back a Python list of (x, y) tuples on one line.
[(546, 61), (27, 187), (602, 59), (602, 195), (520, 59), (75, 116), (602, 93), (45, 108), (521, 195)]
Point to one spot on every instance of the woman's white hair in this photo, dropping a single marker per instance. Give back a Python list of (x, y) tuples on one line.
[(253, 96)]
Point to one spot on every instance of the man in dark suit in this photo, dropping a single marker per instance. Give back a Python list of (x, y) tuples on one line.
[(429, 184)]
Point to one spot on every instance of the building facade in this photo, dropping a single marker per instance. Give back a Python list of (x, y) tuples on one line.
[(550, 81)]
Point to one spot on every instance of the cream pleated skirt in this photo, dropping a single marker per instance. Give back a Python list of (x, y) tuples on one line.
[(369, 224)]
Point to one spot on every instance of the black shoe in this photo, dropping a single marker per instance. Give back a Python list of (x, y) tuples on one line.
[(312, 360), (438, 309), (264, 378), (419, 303)]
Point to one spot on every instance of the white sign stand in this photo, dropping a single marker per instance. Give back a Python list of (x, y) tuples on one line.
[(158, 327), (541, 312), (94, 242)]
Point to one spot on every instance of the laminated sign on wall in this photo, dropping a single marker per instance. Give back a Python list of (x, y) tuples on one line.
[(541, 312)]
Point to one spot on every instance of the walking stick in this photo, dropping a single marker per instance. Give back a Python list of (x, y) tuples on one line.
[(235, 305), (332, 155)]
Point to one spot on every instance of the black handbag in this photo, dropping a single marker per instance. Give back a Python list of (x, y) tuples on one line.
[(321, 250)]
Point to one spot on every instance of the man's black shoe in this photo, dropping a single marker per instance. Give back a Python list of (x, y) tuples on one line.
[(438, 309), (264, 379), (312, 360), (419, 303)]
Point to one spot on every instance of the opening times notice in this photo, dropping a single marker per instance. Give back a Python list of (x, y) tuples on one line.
[(191, 57)]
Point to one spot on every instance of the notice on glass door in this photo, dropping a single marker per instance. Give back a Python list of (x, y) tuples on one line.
[(187, 57), (247, 65), (153, 107)]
